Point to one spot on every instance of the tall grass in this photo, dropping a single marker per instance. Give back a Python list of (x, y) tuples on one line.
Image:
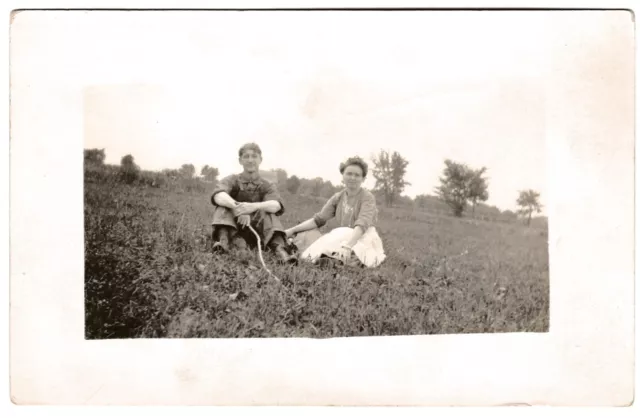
[(148, 273)]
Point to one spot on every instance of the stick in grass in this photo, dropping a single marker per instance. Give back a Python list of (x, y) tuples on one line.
[(260, 253)]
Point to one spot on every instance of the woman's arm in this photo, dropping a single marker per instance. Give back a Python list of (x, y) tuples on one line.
[(364, 221), (319, 219), (367, 212), (307, 225), (357, 233)]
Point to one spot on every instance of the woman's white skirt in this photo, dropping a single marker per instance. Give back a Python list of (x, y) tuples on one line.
[(368, 249)]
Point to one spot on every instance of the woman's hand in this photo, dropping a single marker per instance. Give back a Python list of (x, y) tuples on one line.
[(244, 220), (289, 232), (358, 232), (244, 209)]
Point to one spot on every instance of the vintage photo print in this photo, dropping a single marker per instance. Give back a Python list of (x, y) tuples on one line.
[(326, 185), (238, 189)]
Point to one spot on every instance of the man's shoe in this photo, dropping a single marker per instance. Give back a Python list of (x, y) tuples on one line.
[(222, 245), (326, 262), (283, 256)]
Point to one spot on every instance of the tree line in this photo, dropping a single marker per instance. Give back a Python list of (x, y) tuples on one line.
[(461, 186)]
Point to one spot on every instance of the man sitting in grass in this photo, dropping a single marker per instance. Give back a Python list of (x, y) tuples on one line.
[(246, 199)]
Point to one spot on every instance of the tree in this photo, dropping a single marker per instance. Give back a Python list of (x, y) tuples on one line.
[(510, 215), (94, 157), (171, 173), (382, 173), (316, 188), (421, 201), (209, 173), (398, 171), (187, 171), (528, 201), (281, 178), (389, 172), (403, 200), (478, 188), (293, 184), (454, 186), (129, 170), (305, 186), (327, 189)]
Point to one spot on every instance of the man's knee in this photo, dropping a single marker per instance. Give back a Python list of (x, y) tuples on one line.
[(223, 216), (273, 221), (222, 211)]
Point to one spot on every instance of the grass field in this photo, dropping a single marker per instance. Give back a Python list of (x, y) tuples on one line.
[(149, 274)]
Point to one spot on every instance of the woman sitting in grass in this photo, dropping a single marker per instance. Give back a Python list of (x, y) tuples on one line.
[(355, 241)]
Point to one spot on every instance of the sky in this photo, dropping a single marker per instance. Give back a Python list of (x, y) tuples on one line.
[(315, 89)]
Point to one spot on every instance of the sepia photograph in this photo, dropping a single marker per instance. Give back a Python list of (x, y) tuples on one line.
[(330, 184), (321, 207)]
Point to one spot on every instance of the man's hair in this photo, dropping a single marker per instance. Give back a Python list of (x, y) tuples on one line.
[(249, 146), (355, 161)]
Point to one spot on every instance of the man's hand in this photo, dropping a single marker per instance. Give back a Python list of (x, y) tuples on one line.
[(289, 232), (244, 209), (244, 220)]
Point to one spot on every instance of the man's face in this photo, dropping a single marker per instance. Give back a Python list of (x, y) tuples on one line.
[(250, 161)]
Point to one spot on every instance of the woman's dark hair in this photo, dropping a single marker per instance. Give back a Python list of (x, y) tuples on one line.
[(355, 161)]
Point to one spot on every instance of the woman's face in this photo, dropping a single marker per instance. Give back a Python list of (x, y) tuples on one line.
[(352, 177)]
